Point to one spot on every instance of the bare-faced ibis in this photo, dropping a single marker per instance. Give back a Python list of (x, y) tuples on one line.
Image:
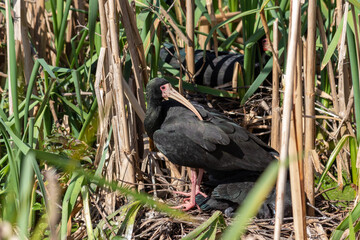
[(229, 192), (227, 197), (211, 69), (215, 143)]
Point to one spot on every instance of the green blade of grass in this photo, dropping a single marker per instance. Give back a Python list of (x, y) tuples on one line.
[(127, 225), (260, 79), (39, 177), (353, 159), (76, 79), (356, 3), (78, 48), (203, 226), (12, 69), (23, 147), (59, 12), (93, 13), (88, 119), (26, 183), (29, 91), (332, 46), (351, 228), (72, 106), (69, 200), (240, 15), (12, 188), (332, 157), (54, 19), (344, 225), (45, 101), (63, 20), (355, 76), (46, 67)]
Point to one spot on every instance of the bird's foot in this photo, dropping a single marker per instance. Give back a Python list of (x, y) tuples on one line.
[(186, 206), (189, 201), (188, 194)]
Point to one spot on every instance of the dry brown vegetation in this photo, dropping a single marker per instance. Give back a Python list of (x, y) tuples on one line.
[(74, 157)]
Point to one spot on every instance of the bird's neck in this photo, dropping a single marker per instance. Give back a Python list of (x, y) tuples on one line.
[(153, 118)]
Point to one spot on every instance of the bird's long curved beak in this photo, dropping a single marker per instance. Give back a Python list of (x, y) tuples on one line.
[(170, 92)]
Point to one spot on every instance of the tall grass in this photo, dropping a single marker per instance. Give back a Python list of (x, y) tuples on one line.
[(84, 93)]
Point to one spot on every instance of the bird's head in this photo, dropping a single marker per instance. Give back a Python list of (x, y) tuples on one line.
[(155, 87), (159, 89)]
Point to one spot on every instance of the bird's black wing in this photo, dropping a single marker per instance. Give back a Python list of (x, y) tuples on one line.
[(215, 144), (185, 140)]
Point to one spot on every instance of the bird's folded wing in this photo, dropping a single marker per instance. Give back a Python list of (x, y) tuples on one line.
[(202, 133)]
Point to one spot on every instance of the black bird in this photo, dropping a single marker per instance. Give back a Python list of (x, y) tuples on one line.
[(228, 191), (228, 196), (198, 138), (212, 70)]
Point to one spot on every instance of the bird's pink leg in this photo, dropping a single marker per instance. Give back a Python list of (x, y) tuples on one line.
[(195, 189), (198, 182), (191, 203)]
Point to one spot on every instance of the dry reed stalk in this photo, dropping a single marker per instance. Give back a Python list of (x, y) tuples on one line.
[(339, 7), (40, 29), (133, 101), (174, 25), (69, 32), (53, 113), (154, 26), (235, 77), (79, 16), (23, 54), (178, 12), (136, 48), (50, 35), (329, 66), (298, 110), (342, 89), (297, 196), (189, 48), (298, 121), (122, 123), (109, 198), (285, 135), (173, 39), (175, 175), (204, 29), (210, 8), (52, 189), (310, 105), (240, 40), (347, 113), (104, 95), (137, 55), (99, 96), (106, 121), (275, 105), (219, 18), (267, 34), (103, 24), (342, 54), (227, 28)]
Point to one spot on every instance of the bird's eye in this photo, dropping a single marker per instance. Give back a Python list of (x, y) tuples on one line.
[(163, 88)]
